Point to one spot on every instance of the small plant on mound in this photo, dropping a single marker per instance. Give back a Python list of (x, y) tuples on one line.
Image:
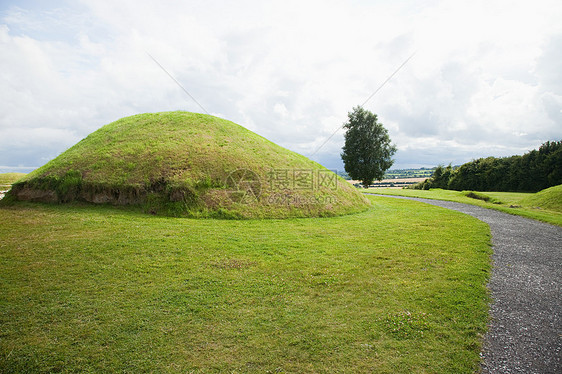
[(187, 164)]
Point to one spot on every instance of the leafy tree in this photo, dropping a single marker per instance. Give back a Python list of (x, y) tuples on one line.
[(440, 177), (552, 164), (368, 151)]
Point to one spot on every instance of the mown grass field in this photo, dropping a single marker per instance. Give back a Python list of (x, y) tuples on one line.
[(544, 206), (399, 288)]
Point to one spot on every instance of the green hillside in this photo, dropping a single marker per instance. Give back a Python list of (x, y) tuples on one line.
[(180, 163), (549, 199)]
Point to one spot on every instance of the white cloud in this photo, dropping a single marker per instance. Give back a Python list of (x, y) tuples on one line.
[(485, 79)]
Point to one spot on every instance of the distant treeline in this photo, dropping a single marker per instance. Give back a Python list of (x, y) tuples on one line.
[(532, 172), (398, 173)]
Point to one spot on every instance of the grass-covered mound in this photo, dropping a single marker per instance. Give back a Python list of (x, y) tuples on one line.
[(550, 199), (181, 163)]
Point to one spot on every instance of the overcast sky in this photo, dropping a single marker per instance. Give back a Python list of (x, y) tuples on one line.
[(485, 80)]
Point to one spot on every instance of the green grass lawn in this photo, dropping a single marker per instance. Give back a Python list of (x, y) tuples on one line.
[(543, 206), (399, 288)]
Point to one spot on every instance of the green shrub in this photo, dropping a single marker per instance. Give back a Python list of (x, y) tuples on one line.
[(476, 195)]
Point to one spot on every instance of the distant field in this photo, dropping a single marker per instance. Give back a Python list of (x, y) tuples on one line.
[(400, 173), (392, 183), (399, 178), (400, 288), (408, 173), (6, 179), (544, 206)]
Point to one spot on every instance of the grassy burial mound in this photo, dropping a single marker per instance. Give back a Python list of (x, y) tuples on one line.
[(549, 199), (180, 163)]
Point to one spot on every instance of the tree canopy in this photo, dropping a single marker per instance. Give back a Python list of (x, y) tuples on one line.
[(531, 172), (368, 151)]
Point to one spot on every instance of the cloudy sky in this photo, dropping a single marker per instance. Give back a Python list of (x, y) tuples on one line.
[(485, 80)]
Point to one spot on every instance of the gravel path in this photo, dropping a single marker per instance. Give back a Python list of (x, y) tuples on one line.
[(525, 332)]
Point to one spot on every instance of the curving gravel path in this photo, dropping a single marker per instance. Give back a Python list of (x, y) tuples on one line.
[(525, 331)]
